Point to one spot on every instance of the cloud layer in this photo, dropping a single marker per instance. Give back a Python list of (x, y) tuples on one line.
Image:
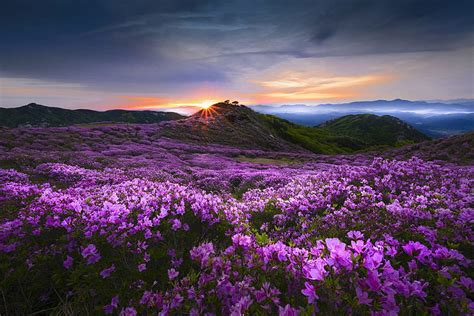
[(259, 51)]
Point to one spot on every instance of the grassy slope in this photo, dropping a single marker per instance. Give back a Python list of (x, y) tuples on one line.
[(375, 130), (347, 134), (314, 139)]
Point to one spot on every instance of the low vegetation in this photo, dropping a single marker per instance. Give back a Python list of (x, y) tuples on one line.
[(117, 220)]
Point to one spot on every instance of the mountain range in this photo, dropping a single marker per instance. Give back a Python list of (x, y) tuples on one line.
[(434, 118), (238, 126), (39, 115)]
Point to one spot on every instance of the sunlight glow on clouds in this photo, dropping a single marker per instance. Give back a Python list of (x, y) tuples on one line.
[(293, 86), (316, 82)]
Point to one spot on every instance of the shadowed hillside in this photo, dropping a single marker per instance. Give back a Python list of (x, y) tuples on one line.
[(39, 115), (457, 149), (227, 124)]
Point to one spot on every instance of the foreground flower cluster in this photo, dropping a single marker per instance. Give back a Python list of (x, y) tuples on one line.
[(113, 236)]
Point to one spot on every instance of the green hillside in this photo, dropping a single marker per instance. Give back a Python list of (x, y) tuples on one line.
[(313, 139), (347, 134), (374, 130)]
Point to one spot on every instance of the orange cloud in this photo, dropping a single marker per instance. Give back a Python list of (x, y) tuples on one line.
[(302, 95), (142, 102), (292, 86)]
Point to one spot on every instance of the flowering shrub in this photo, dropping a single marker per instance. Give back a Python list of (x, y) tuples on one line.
[(113, 221)]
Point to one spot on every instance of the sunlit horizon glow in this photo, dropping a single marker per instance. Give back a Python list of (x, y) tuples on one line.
[(275, 89), (282, 88), (204, 104), (159, 103)]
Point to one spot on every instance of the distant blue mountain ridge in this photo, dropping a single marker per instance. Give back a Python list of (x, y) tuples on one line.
[(434, 118)]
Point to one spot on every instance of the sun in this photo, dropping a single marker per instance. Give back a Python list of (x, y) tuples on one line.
[(206, 104)]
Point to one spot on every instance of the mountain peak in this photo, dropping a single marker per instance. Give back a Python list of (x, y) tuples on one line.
[(223, 109), (34, 105), (228, 105)]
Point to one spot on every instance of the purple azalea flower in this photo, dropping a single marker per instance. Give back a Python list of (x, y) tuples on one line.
[(172, 274), (109, 309), (338, 252), (106, 272), (315, 269), (355, 234), (91, 254), (176, 224), (363, 297), (287, 311), (68, 262), (128, 311), (310, 292), (142, 267)]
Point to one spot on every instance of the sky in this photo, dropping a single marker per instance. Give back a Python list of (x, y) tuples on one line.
[(179, 55)]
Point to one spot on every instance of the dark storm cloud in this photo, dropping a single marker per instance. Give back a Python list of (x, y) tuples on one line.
[(91, 41), (396, 26), (111, 43)]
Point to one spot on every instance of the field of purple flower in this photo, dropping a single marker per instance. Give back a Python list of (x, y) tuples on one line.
[(117, 220)]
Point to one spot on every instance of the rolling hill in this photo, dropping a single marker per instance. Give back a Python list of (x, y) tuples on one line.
[(375, 130), (39, 115)]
